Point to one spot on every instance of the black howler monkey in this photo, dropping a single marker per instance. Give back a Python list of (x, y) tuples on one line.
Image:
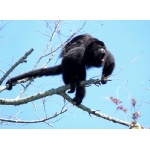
[(81, 53)]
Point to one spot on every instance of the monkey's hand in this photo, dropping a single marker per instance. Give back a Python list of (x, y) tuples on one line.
[(9, 84), (103, 79)]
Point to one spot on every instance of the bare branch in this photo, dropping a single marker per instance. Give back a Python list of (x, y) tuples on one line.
[(128, 64), (21, 60), (61, 91), (57, 24), (34, 121), (50, 40), (44, 93), (2, 27), (97, 113)]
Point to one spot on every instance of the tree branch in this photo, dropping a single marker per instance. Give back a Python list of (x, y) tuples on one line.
[(96, 113), (21, 60), (43, 94), (34, 121), (61, 91)]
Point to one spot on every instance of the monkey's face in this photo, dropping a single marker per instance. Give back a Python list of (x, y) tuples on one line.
[(99, 53), (102, 54)]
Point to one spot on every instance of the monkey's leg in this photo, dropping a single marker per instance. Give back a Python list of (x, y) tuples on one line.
[(80, 93)]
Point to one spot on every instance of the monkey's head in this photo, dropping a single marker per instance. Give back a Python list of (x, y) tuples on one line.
[(96, 53), (100, 50)]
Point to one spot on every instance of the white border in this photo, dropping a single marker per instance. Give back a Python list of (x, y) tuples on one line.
[(74, 139), (77, 9)]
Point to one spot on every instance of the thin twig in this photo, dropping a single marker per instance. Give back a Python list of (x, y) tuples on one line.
[(128, 64)]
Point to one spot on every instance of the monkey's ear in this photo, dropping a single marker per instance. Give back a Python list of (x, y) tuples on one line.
[(92, 43)]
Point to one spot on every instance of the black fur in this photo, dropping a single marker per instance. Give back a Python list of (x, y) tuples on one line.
[(81, 53)]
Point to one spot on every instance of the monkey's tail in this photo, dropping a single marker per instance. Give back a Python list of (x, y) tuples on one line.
[(51, 71)]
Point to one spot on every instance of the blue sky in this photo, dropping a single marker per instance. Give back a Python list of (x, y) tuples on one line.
[(125, 39)]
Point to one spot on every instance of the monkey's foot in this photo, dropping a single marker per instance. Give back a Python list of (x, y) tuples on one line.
[(77, 101), (71, 91)]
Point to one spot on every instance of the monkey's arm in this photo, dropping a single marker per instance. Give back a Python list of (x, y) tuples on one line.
[(108, 67), (56, 70)]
